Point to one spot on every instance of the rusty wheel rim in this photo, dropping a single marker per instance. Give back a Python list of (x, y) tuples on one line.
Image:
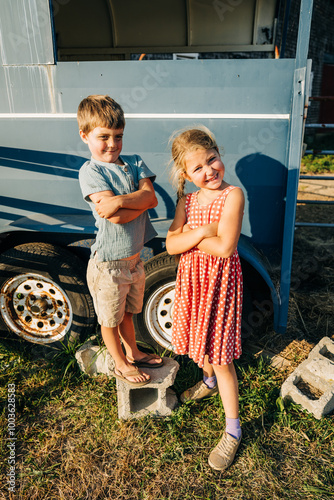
[(35, 308)]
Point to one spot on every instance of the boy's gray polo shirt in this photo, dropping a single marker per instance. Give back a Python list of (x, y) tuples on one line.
[(117, 241)]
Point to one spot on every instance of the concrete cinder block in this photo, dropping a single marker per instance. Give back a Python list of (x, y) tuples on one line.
[(316, 371), (155, 399), (94, 359)]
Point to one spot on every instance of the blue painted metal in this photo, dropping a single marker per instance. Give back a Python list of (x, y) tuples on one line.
[(319, 152), (319, 125), (304, 31), (294, 157), (254, 151), (300, 92), (202, 86), (315, 202), (262, 141), (315, 177), (313, 224)]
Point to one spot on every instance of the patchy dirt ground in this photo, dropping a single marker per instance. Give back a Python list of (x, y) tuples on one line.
[(311, 307), (320, 190)]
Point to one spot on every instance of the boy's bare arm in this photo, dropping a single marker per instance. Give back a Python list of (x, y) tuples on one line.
[(123, 215), (108, 204)]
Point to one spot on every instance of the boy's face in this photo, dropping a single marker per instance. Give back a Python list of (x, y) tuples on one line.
[(104, 143)]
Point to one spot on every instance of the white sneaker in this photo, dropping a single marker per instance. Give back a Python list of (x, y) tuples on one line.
[(198, 392), (223, 454)]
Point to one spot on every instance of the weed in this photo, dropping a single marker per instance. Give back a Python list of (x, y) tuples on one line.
[(317, 164)]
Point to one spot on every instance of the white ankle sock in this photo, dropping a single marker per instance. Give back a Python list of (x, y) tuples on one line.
[(233, 427), (211, 382)]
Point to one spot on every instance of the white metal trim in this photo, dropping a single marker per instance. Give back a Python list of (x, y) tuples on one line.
[(155, 116)]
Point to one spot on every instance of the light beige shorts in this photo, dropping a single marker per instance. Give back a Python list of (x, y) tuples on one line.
[(116, 287)]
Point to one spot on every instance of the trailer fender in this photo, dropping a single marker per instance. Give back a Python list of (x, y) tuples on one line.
[(259, 263)]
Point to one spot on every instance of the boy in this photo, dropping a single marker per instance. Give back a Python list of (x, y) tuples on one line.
[(119, 191)]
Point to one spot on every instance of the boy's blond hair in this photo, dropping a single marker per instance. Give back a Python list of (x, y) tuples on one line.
[(99, 111), (183, 142)]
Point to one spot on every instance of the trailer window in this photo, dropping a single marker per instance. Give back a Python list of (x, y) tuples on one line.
[(113, 29)]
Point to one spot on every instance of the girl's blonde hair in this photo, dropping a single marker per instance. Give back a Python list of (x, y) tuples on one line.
[(183, 142)]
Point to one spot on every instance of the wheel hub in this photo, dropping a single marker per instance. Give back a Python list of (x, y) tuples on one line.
[(35, 308), (40, 306), (159, 314)]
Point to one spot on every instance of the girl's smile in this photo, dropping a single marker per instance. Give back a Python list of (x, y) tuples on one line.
[(205, 169)]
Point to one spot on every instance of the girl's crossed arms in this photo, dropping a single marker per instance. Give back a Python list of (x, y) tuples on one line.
[(218, 238)]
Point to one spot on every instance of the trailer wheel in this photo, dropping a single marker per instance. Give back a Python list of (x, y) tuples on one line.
[(44, 298), (154, 324)]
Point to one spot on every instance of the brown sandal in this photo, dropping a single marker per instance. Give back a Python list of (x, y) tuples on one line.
[(131, 373), (144, 362)]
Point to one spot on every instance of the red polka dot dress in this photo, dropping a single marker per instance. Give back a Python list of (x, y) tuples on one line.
[(208, 295)]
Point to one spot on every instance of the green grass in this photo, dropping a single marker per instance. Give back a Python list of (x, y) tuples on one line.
[(317, 164), (70, 444)]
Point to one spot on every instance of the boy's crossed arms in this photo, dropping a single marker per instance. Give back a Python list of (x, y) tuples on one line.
[(123, 208)]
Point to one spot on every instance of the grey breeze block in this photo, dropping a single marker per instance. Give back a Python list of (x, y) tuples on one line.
[(317, 371), (155, 399)]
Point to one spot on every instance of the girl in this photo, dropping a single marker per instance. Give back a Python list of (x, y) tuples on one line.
[(208, 293)]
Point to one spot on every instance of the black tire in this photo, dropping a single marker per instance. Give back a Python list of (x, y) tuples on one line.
[(153, 324), (44, 296)]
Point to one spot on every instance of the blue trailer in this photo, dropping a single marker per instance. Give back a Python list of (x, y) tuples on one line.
[(162, 61)]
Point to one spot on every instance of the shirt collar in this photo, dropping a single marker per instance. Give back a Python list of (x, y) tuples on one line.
[(107, 164)]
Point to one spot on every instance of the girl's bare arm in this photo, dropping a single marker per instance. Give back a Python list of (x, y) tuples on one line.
[(229, 227), (178, 241)]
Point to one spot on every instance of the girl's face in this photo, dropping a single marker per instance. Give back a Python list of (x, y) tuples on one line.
[(204, 168)]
